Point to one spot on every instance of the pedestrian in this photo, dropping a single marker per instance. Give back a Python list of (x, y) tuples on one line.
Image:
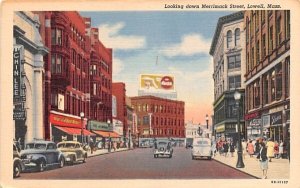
[(270, 149), (244, 147), (225, 148), (92, 145), (114, 145), (256, 146), (103, 142), (280, 149), (250, 148), (276, 150), (214, 148), (263, 159), (231, 148)]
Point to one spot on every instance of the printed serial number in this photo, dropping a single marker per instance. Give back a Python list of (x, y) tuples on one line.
[(279, 181)]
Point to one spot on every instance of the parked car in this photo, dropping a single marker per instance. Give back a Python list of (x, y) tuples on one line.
[(18, 166), (41, 154), (72, 151), (163, 148), (202, 148)]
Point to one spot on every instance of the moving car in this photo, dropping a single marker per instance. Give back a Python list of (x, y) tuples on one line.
[(72, 151), (163, 148), (202, 148), (41, 154), (18, 166)]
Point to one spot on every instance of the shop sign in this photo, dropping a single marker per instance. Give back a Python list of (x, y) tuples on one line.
[(99, 126), (252, 116), (255, 122), (266, 121), (65, 121), (19, 114), (17, 73), (220, 128), (276, 118)]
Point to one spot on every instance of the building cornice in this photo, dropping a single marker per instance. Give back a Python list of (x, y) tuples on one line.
[(223, 20)]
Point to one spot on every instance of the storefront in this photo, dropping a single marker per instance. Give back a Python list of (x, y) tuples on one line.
[(104, 132), (220, 131), (68, 127)]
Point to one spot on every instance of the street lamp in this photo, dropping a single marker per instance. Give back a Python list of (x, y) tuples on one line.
[(82, 116), (240, 163), (206, 121)]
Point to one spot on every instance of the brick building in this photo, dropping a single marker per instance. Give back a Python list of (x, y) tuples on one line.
[(119, 91), (268, 73), (157, 117)]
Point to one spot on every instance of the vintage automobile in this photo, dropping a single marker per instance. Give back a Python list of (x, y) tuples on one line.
[(18, 166), (202, 148), (41, 154), (163, 148), (73, 151)]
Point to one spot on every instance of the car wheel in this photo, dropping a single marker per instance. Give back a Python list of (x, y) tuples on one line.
[(61, 162), (17, 170), (42, 165)]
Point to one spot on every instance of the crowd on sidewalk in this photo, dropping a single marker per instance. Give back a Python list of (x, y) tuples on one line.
[(262, 149)]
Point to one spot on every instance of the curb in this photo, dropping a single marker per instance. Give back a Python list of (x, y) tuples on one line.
[(237, 169), (107, 153)]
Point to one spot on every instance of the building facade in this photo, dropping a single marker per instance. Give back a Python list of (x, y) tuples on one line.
[(28, 73), (267, 76), (158, 117), (228, 51), (119, 91)]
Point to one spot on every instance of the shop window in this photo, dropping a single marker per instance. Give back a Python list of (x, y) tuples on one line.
[(229, 38), (237, 37)]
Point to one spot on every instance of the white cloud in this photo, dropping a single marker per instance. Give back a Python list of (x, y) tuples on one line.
[(118, 66), (190, 45), (109, 35)]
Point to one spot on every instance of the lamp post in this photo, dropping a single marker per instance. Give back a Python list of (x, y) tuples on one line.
[(82, 135), (240, 163), (206, 118)]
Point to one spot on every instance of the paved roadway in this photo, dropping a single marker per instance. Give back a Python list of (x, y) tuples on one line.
[(140, 164)]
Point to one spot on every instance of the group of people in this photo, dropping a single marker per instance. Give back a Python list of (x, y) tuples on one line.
[(105, 144), (264, 150)]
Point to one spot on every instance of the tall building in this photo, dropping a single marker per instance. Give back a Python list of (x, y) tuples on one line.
[(267, 76), (162, 86), (158, 117), (28, 73), (119, 91), (228, 51)]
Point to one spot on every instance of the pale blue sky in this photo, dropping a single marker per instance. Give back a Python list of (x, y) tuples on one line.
[(180, 39)]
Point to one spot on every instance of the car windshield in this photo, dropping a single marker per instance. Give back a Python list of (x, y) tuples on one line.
[(35, 146), (70, 145)]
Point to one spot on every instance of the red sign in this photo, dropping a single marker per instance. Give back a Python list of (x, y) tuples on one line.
[(251, 116), (166, 82), (65, 121)]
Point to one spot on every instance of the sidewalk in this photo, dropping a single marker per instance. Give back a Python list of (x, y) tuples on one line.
[(105, 151), (278, 168)]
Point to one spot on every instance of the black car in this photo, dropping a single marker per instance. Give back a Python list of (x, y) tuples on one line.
[(18, 166)]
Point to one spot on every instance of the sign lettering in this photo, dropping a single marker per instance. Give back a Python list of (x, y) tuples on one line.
[(16, 72)]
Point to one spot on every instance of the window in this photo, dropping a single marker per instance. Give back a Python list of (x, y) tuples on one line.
[(56, 64), (278, 81), (271, 39), (257, 53), (264, 50), (94, 89), (237, 37), (257, 93), (252, 58), (287, 70), (278, 31), (234, 82), (247, 29), (56, 37), (234, 61), (229, 38), (54, 98), (273, 89), (266, 89), (263, 17), (287, 24), (257, 20)]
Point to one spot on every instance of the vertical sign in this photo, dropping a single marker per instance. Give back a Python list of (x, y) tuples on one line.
[(17, 73)]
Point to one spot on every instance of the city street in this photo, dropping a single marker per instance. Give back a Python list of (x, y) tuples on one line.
[(140, 164)]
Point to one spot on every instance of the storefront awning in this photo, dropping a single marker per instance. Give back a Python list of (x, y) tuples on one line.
[(75, 131), (107, 134)]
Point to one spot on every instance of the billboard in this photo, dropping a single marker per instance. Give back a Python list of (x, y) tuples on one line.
[(157, 82)]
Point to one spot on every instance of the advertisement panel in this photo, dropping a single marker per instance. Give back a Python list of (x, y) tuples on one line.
[(157, 82)]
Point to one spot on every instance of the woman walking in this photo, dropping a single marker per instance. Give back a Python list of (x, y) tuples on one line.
[(263, 159), (231, 148), (270, 149), (250, 148), (276, 150), (280, 149), (225, 148)]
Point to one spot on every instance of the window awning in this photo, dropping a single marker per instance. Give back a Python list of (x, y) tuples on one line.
[(107, 134), (75, 131)]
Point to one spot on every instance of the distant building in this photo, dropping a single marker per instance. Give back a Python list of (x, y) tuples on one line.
[(229, 62), (162, 86), (158, 117)]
